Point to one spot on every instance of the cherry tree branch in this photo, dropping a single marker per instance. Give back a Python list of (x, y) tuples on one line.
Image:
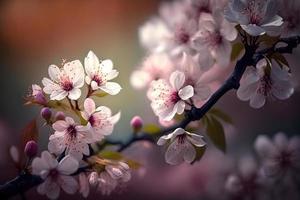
[(25, 181)]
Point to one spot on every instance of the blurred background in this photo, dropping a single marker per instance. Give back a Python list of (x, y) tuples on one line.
[(35, 34)]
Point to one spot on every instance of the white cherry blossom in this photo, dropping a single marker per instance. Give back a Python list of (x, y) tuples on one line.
[(55, 174), (182, 146), (214, 36), (65, 82), (280, 156), (168, 98), (71, 138), (99, 74), (289, 11), (256, 17), (100, 119), (264, 81)]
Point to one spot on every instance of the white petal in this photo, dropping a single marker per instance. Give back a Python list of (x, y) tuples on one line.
[(38, 165), (177, 80), (174, 155), (54, 73), (114, 119), (196, 140), (111, 75), (58, 94), (111, 88), (74, 94), (253, 29), (68, 184), (89, 106), (281, 141), (91, 64), (264, 147), (49, 159), (60, 125), (186, 92), (179, 107), (222, 54), (275, 21), (67, 165), (163, 139), (94, 85), (107, 65), (257, 100)]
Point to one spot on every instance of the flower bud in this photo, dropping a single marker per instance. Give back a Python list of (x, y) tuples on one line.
[(40, 98), (136, 123), (60, 116), (31, 148), (46, 113)]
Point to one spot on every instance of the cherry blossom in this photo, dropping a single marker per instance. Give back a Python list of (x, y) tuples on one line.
[(193, 77), (263, 82), (289, 11), (214, 35), (182, 146), (281, 156), (65, 82), (100, 119), (55, 174), (99, 74), (167, 99), (154, 67), (256, 17), (84, 187), (37, 95), (71, 138)]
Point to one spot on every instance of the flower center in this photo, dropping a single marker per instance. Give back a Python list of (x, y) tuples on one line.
[(181, 138), (72, 132), (66, 83), (53, 173), (174, 97), (97, 79), (182, 37), (284, 159), (254, 10), (214, 39), (265, 85)]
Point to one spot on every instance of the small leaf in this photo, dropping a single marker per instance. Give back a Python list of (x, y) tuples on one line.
[(100, 94), (280, 59), (236, 50), (133, 164), (151, 129), (268, 40), (57, 105), (199, 153), (112, 155), (215, 132), (218, 113)]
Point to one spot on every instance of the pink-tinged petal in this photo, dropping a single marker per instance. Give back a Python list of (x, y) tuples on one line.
[(233, 184), (179, 107), (91, 64), (84, 187), (70, 120), (257, 100), (107, 65), (205, 60), (49, 160), (14, 153), (281, 141), (74, 94), (196, 140), (38, 165), (139, 79), (56, 145), (68, 165), (68, 184), (49, 86), (114, 119), (186, 92), (111, 88), (253, 29), (88, 80), (168, 114), (89, 106), (52, 190), (222, 54), (58, 94), (264, 147), (60, 125), (178, 131), (103, 110), (174, 153), (245, 92), (201, 92), (54, 73), (228, 31), (189, 152), (177, 80), (94, 85), (85, 115), (282, 89), (163, 139)]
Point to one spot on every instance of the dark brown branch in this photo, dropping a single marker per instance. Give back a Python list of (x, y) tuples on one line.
[(24, 182)]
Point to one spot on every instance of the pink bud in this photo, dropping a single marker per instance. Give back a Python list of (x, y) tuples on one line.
[(136, 123), (60, 116), (46, 113), (40, 98), (31, 148)]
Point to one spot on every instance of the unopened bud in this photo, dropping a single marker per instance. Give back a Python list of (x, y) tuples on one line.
[(31, 148), (40, 98), (60, 116), (136, 123), (46, 113)]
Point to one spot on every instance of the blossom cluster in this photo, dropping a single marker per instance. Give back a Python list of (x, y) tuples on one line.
[(70, 144)]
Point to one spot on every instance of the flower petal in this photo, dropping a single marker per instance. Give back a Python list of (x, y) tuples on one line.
[(54, 73), (91, 64), (177, 80), (196, 140), (253, 29), (68, 184), (186, 92), (67, 165), (257, 100), (74, 94), (111, 88), (89, 106)]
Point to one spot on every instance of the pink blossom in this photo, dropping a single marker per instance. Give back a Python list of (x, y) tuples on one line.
[(167, 99), (289, 11)]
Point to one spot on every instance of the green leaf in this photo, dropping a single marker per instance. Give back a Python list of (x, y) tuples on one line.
[(100, 94), (218, 113), (199, 153), (57, 105), (133, 164), (151, 129), (236, 50), (112, 155), (215, 132), (268, 40), (280, 59)]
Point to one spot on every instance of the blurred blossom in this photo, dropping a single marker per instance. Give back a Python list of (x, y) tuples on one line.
[(280, 156), (256, 17), (289, 11), (264, 82)]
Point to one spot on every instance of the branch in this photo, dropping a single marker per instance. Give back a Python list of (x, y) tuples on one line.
[(24, 182)]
